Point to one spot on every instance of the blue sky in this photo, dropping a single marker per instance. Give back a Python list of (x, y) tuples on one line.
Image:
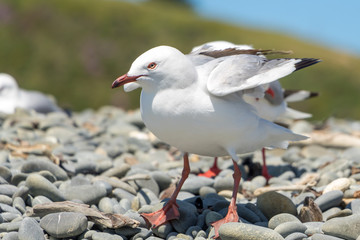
[(332, 23)]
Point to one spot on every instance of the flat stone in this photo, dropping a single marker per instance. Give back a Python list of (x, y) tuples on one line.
[(30, 230), (282, 218), (64, 224), (244, 231), (105, 236), (38, 165), (40, 186), (343, 227), (296, 236), (320, 236), (329, 200), (273, 203), (88, 194), (194, 184), (287, 228), (339, 184), (8, 190)]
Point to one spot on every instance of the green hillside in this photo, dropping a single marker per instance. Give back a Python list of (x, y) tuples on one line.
[(74, 49)]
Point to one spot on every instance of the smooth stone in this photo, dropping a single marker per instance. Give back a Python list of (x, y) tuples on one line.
[(320, 236), (188, 217), (5, 173), (105, 236), (40, 186), (355, 206), (223, 183), (296, 236), (247, 214), (123, 194), (117, 171), (6, 199), (313, 227), (314, 151), (162, 179), (212, 217), (343, 227), (106, 205), (205, 190), (64, 224), (30, 230), (193, 231), (9, 227), (11, 236), (244, 231), (339, 184), (40, 200), (147, 197), (286, 228), (88, 194), (273, 203), (6, 208), (193, 184), (9, 216), (341, 213), (143, 234), (163, 231), (329, 200), (282, 218), (38, 165), (19, 204), (8, 190)]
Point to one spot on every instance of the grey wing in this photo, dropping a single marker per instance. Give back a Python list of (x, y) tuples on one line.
[(240, 72)]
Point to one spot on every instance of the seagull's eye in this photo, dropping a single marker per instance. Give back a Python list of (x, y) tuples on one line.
[(152, 65)]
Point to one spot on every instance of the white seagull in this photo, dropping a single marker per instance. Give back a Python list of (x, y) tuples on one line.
[(196, 104), (12, 97)]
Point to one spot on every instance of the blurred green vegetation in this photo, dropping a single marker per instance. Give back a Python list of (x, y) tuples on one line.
[(74, 49)]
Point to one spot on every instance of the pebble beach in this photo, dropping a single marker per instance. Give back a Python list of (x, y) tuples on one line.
[(90, 176)]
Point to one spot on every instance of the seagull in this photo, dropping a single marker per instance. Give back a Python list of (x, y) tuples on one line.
[(195, 103), (270, 103), (12, 97)]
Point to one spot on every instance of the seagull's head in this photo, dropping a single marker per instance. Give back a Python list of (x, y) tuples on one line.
[(159, 67), (8, 85)]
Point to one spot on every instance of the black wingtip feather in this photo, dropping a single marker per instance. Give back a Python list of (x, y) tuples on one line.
[(306, 62)]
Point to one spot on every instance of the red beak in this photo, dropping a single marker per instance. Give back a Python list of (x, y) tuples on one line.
[(123, 80)]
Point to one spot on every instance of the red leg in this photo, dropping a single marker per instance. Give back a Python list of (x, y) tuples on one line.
[(213, 171), (170, 211), (265, 172), (232, 215)]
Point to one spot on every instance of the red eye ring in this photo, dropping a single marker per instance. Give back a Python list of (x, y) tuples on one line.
[(152, 65)]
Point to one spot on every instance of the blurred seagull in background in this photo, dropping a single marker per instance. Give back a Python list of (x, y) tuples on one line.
[(12, 97)]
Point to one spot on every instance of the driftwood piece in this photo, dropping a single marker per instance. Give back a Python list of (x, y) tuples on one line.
[(107, 220), (310, 212)]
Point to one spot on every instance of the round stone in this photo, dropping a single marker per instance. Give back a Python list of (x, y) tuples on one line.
[(38, 185), (343, 227), (244, 231), (287, 228), (30, 230), (282, 218), (273, 203), (64, 224)]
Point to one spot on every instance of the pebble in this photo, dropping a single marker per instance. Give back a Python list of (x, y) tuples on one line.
[(273, 203), (64, 224), (30, 230), (287, 228), (343, 227), (244, 231), (329, 199), (109, 160), (282, 218)]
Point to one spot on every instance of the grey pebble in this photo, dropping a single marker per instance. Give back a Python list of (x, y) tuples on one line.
[(244, 231), (105, 236), (30, 230), (5, 173), (193, 231), (164, 230), (205, 190), (313, 227), (8, 190), (223, 183), (22, 192), (64, 224), (319, 236), (355, 206), (341, 213), (193, 184), (117, 171), (6, 199), (19, 204), (296, 236), (40, 200), (162, 179), (89, 194), (273, 203), (329, 199), (343, 227), (188, 217), (286, 228), (282, 218), (11, 236), (38, 185), (212, 217), (38, 165)]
